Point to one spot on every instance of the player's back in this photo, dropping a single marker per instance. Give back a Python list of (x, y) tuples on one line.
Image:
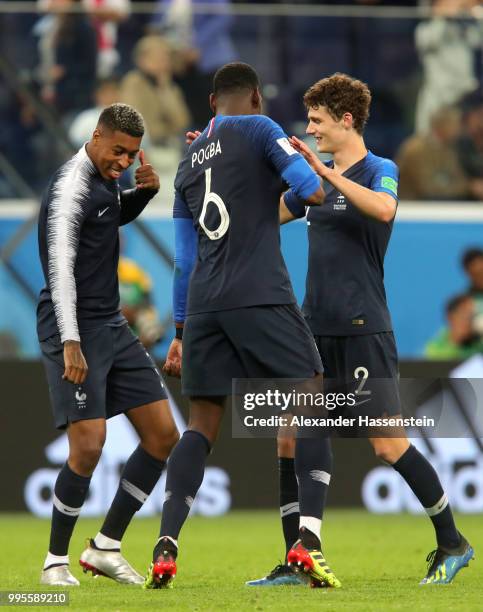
[(230, 184)]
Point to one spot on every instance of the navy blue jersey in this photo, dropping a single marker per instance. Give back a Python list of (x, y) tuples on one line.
[(228, 186), (79, 223), (345, 292)]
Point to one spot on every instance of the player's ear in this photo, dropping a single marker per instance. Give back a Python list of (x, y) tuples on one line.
[(257, 100), (213, 103), (348, 120)]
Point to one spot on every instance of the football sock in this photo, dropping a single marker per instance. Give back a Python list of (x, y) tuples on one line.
[(70, 491), (289, 502), (138, 479), (424, 483), (55, 560), (186, 468), (313, 466)]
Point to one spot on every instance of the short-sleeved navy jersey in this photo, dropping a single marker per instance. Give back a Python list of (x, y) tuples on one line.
[(345, 292), (229, 184), (79, 223)]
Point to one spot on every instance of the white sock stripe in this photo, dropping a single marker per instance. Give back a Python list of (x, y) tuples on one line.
[(289, 509), (312, 524), (68, 510), (438, 506), (133, 490), (320, 476)]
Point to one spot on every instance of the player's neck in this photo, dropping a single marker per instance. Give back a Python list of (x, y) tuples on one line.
[(349, 155)]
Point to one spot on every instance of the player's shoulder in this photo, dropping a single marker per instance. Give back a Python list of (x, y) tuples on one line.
[(254, 127), (376, 164)]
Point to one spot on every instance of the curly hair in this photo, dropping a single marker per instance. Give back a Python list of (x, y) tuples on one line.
[(122, 118), (341, 94)]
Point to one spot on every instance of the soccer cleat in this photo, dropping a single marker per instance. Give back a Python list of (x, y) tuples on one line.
[(162, 571), (281, 575), (108, 563), (444, 564), (313, 563), (58, 575)]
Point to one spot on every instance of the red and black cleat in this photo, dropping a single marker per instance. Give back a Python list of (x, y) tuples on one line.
[(162, 571)]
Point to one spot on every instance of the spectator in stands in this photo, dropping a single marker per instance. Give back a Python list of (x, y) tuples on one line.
[(68, 57), (107, 92), (203, 44), (429, 165), (470, 143), (106, 17), (472, 262), (151, 90), (459, 340), (136, 302), (446, 44)]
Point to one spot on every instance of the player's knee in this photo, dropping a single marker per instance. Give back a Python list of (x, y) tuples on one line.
[(160, 446), (386, 450), (285, 446), (85, 453)]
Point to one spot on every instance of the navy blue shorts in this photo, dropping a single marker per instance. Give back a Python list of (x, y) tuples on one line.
[(366, 365), (121, 376), (251, 342)]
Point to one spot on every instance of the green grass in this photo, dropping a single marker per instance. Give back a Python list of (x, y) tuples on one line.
[(379, 559)]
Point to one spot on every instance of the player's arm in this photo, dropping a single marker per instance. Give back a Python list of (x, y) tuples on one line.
[(380, 202), (291, 207), (185, 253), (290, 165), (64, 222), (134, 201)]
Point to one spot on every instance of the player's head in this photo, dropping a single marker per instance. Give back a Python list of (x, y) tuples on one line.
[(116, 140), (472, 261), (460, 311), (337, 109), (236, 90)]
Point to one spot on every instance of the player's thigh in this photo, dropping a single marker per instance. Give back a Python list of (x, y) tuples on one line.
[(210, 359), (273, 341), (133, 380), (70, 402)]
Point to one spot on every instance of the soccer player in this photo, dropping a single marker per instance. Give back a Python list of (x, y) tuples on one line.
[(240, 319), (345, 303), (96, 367)]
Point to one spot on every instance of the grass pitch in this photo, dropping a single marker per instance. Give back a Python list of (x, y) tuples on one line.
[(379, 559)]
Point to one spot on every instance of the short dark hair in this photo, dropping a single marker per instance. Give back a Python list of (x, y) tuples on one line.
[(470, 255), (341, 94), (455, 302), (122, 118), (235, 78)]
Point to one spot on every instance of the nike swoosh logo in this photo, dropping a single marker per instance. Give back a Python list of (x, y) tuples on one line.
[(101, 212), (361, 402)]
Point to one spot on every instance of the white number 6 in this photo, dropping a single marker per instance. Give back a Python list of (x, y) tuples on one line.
[(213, 198)]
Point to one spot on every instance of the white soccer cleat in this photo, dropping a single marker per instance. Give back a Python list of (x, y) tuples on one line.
[(110, 564), (59, 575)]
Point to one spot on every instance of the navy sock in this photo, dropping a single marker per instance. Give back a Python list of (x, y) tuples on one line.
[(289, 501), (313, 466), (424, 482), (186, 468), (138, 479), (70, 492)]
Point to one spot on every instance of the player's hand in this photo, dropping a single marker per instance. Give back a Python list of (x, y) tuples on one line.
[(172, 365), (309, 156), (146, 177), (74, 363), (192, 136)]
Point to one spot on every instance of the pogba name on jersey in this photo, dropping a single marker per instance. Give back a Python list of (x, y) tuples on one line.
[(208, 152)]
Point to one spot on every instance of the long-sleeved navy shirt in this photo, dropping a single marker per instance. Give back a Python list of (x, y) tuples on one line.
[(79, 224)]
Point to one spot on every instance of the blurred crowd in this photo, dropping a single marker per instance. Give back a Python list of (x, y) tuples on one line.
[(75, 56)]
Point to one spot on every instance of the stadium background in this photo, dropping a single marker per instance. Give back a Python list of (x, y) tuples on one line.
[(291, 45)]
